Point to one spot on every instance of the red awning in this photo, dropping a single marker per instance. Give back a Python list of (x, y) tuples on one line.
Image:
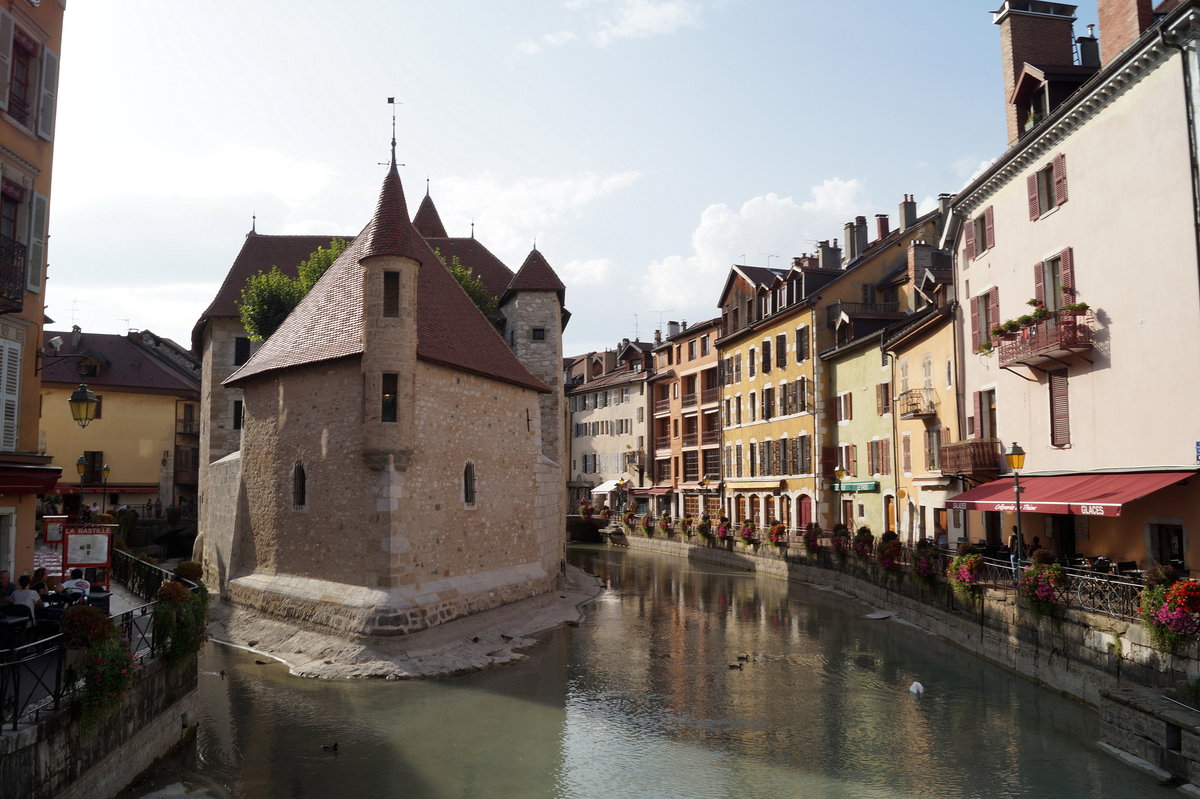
[(654, 492), (1082, 494), (28, 479), (99, 488)]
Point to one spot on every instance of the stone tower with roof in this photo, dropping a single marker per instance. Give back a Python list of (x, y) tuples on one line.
[(393, 472)]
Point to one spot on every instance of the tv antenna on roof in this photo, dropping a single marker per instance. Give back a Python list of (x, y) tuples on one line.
[(769, 255), (392, 102)]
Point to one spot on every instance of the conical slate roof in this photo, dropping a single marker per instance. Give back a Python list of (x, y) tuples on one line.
[(535, 275), (328, 322), (428, 222)]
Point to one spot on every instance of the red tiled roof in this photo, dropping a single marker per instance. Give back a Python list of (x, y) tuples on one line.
[(428, 222), (327, 324), (536, 275), (258, 253), (478, 258), (123, 364)]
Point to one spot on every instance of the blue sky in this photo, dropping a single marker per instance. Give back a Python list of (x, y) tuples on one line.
[(645, 145)]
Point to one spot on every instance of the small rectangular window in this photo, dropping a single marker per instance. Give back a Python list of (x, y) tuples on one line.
[(241, 350), (391, 384), (99, 406), (237, 414), (391, 294), (539, 334)]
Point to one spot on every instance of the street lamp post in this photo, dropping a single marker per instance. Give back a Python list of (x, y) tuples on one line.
[(104, 489), (838, 474), (81, 467), (1016, 461), (83, 406)]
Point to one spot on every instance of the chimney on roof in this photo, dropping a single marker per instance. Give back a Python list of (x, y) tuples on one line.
[(860, 234), (851, 243), (920, 258), (657, 337), (829, 256), (944, 201), (1089, 49), (672, 329), (1121, 23), (1032, 32), (881, 226), (908, 212)]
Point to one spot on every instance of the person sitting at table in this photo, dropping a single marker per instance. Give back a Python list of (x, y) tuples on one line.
[(40, 576), (26, 595), (76, 584), (6, 587)]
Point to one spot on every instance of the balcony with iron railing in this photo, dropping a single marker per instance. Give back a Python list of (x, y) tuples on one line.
[(884, 309), (710, 437), (978, 456), (917, 403), (12, 275), (710, 396), (187, 427), (691, 439), (662, 406), (1059, 335), (689, 400)]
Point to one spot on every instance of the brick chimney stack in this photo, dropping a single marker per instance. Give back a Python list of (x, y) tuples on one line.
[(908, 212), (1033, 32), (1121, 23), (881, 226)]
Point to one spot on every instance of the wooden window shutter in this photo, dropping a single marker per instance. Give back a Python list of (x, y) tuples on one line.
[(885, 448), (879, 399), (1067, 273), (853, 460), (37, 243), (872, 457), (849, 406), (48, 96), (970, 232), (993, 310), (1060, 422), (781, 351), (975, 340), (906, 453), (6, 45), (989, 227), (1039, 282), (977, 399), (1031, 187), (10, 394), (828, 460), (1060, 178)]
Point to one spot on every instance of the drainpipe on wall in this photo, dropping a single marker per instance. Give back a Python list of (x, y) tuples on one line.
[(896, 465), (1172, 41)]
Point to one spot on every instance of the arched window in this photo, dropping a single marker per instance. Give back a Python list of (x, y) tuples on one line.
[(469, 483), (299, 487), (741, 510), (754, 508), (785, 510), (770, 508)]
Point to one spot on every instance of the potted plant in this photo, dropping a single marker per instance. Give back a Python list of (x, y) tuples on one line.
[(1025, 320), (704, 528), (864, 542), (964, 574), (778, 534), (180, 618), (101, 663), (984, 348), (926, 563), (1040, 584), (648, 525), (1077, 308), (687, 526), (749, 533), (664, 524), (812, 538), (627, 519), (839, 540)]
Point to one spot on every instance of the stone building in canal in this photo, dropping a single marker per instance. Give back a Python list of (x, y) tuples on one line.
[(400, 461)]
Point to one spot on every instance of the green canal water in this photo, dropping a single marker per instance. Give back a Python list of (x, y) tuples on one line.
[(685, 680)]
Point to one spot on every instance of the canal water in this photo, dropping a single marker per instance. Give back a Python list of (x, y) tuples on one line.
[(685, 680)]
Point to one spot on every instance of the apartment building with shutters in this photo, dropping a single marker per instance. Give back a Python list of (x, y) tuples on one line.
[(1082, 234), (768, 373), (607, 399), (685, 401), (30, 46), (923, 362)]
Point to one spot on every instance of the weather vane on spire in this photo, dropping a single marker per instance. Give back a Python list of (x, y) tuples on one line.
[(392, 102)]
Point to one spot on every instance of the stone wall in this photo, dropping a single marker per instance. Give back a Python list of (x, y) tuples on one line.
[(58, 758), (218, 520)]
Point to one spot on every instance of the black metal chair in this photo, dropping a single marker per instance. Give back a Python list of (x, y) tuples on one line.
[(16, 623)]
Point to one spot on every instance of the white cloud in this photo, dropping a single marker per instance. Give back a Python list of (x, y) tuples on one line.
[(528, 48), (596, 272), (233, 170), (168, 309), (685, 286), (508, 217), (638, 19), (559, 39)]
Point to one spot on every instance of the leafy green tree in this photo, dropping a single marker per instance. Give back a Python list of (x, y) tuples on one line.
[(310, 270), (266, 300), (473, 285), (269, 297)]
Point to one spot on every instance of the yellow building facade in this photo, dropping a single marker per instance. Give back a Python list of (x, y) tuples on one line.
[(30, 43)]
